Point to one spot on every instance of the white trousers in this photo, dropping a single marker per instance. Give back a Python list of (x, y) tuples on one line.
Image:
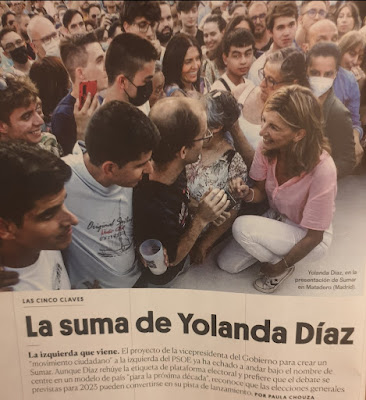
[(263, 239)]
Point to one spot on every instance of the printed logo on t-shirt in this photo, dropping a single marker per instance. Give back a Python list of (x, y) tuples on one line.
[(113, 235)]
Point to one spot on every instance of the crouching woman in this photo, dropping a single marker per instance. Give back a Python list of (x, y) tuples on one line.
[(293, 168)]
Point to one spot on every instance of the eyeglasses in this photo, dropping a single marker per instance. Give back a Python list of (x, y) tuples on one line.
[(48, 39), (260, 16), (12, 46), (144, 26), (312, 13), (270, 82), (208, 135)]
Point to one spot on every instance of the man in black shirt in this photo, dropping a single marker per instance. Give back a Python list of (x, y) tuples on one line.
[(161, 200)]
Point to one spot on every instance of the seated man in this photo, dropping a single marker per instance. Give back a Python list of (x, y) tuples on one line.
[(34, 222), (161, 200), (83, 58), (238, 56), (322, 66), (20, 114), (118, 146)]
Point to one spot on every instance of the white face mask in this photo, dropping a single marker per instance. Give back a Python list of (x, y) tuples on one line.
[(52, 48), (320, 85)]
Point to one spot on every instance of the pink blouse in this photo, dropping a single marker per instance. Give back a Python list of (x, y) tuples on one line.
[(308, 199)]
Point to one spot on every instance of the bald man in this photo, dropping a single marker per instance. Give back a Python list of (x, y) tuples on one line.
[(161, 200), (44, 38)]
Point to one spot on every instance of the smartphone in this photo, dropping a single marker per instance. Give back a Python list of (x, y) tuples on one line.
[(84, 89), (233, 202)]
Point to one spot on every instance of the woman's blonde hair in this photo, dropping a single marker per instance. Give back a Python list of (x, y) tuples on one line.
[(350, 41), (299, 109)]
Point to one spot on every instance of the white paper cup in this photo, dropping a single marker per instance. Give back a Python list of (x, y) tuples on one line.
[(152, 252)]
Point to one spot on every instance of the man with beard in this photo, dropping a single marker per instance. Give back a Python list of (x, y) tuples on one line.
[(22, 22), (257, 13), (15, 49), (164, 30)]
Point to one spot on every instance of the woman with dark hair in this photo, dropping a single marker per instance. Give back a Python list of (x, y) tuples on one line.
[(181, 67), (282, 67), (293, 169), (218, 165), (213, 31), (347, 18), (52, 80)]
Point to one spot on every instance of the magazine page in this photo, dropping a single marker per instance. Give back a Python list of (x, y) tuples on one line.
[(184, 343), (182, 200)]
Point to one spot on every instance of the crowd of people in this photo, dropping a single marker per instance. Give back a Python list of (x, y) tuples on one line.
[(193, 123)]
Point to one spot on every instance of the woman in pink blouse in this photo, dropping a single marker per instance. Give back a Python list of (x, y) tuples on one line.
[(293, 168)]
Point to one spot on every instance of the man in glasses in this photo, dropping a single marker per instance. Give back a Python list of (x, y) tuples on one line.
[(140, 18), (310, 12), (94, 15), (161, 199), (44, 38), (257, 12), (281, 22), (15, 49)]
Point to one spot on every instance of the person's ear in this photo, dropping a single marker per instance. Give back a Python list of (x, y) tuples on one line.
[(224, 58), (4, 127), (305, 47), (108, 168), (79, 74), (299, 135), (183, 152), (126, 27), (121, 81), (7, 229)]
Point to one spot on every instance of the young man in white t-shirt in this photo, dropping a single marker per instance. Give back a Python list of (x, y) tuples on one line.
[(34, 222), (238, 56)]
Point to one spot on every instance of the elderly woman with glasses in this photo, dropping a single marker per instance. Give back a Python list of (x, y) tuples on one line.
[(282, 67), (218, 165), (293, 169)]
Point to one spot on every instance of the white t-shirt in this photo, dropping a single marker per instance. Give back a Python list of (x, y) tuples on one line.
[(218, 85), (102, 251), (47, 273)]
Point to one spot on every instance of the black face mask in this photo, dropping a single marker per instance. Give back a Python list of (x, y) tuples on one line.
[(19, 55), (142, 95)]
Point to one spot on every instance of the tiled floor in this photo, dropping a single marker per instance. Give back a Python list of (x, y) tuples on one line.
[(347, 253)]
